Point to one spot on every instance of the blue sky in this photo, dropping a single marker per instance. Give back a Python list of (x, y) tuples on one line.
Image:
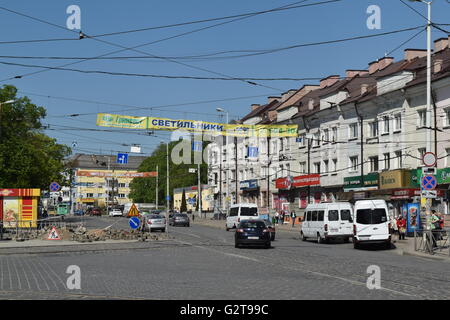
[(302, 25)]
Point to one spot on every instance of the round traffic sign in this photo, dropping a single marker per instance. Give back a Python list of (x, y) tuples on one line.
[(429, 159), (55, 187), (429, 182), (134, 223)]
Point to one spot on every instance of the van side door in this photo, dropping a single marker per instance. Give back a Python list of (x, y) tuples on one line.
[(345, 215)]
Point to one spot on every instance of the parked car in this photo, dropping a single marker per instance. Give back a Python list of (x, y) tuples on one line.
[(179, 219), (271, 228), (95, 212), (78, 213), (252, 232), (325, 221), (115, 213), (372, 223), (154, 222), (240, 212)]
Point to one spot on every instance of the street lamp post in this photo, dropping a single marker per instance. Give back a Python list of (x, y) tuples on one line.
[(429, 109), (226, 159), (1, 104)]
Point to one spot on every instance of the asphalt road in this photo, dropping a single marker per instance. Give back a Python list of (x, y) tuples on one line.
[(201, 263)]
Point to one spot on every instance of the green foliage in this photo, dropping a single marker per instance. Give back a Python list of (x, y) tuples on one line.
[(28, 157), (143, 190)]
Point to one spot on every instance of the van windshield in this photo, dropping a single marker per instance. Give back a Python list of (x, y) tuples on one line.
[(245, 211), (369, 216)]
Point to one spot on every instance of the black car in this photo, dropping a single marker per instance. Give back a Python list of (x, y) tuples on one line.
[(252, 232), (179, 219)]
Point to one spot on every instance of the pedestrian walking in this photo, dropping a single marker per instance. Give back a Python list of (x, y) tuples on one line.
[(401, 225), (434, 226), (277, 217), (293, 216)]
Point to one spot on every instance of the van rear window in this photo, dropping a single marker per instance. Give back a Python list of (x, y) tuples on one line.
[(333, 215), (234, 212), (369, 216), (245, 211), (345, 215)]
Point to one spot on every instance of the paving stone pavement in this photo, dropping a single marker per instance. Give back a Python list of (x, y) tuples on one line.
[(201, 263)]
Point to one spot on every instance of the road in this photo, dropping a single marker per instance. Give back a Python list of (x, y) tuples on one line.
[(201, 263)]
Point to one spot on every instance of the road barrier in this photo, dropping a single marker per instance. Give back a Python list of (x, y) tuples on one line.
[(432, 241), (24, 230)]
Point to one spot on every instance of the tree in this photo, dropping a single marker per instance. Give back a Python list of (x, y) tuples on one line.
[(183, 207), (143, 189), (28, 157)]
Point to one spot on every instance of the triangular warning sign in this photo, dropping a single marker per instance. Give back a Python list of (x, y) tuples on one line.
[(53, 235), (134, 212)]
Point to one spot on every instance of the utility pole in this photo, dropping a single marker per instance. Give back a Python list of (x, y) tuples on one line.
[(362, 144), (167, 190), (157, 186), (236, 169), (199, 194), (309, 169), (107, 192), (220, 184), (269, 162)]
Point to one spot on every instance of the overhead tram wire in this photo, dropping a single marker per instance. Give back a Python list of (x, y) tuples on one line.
[(224, 76), (134, 49)]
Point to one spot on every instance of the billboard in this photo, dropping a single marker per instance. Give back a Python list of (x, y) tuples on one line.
[(237, 130)]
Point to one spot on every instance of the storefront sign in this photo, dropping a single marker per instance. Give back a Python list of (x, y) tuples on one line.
[(354, 183), (284, 183), (249, 185), (19, 207), (306, 180), (109, 174), (395, 179)]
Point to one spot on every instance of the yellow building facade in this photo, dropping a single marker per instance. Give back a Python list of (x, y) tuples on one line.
[(191, 196)]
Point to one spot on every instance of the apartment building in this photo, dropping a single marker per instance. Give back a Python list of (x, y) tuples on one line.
[(359, 136)]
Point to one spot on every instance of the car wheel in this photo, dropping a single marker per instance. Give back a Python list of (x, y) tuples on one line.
[(272, 238), (303, 236), (236, 245), (319, 238), (387, 246), (267, 246), (356, 245), (163, 230)]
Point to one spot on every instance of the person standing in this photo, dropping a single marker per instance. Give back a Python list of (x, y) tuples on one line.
[(293, 216), (277, 217), (401, 225), (434, 226)]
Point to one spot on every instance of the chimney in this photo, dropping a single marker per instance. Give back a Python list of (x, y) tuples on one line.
[(352, 73), (415, 53), (311, 104), (440, 44), (373, 67), (272, 115), (272, 99), (288, 94), (384, 62), (438, 65), (254, 106), (364, 88), (329, 81)]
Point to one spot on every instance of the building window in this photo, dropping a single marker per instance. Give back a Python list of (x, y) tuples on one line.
[(353, 131), (334, 165), (302, 167), (420, 152), (387, 161), (354, 163), (122, 196), (447, 158), (89, 195), (302, 141), (447, 117), (398, 159), (398, 122), (326, 136), (316, 139), (373, 128), (386, 128), (373, 164), (286, 143), (334, 134), (325, 166), (317, 167), (422, 118)]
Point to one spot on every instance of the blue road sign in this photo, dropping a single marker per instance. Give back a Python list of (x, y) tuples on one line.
[(429, 182), (55, 187), (168, 198), (122, 158), (134, 222)]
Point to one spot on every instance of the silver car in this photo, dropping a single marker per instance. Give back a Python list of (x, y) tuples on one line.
[(154, 222)]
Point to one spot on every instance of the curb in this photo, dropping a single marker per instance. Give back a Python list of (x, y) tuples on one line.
[(404, 252)]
